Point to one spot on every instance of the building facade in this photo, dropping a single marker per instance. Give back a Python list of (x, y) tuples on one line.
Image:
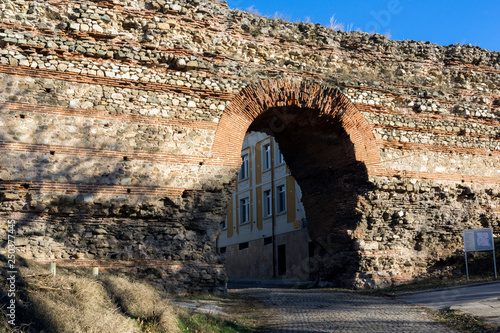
[(264, 234)]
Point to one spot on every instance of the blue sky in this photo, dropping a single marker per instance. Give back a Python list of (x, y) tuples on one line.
[(439, 21)]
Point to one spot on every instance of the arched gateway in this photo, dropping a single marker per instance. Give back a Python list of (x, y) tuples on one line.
[(330, 149)]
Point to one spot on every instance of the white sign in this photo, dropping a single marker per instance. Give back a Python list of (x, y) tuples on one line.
[(478, 240)]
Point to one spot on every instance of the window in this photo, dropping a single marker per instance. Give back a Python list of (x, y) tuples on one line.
[(268, 210), (244, 210), (268, 240), (280, 199), (243, 246), (244, 171), (279, 156), (266, 151), (223, 224), (222, 250)]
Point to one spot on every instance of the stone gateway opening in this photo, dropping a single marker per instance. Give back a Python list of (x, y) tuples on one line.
[(326, 144)]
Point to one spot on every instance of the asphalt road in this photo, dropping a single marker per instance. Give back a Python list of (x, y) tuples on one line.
[(441, 299)]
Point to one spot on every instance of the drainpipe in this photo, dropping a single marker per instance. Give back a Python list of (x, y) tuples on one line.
[(273, 211)]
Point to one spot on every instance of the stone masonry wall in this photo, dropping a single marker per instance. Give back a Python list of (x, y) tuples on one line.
[(121, 124)]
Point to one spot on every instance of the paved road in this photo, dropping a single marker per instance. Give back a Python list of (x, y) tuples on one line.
[(315, 311), (445, 298)]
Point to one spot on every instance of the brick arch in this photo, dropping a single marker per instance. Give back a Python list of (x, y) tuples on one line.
[(330, 149), (333, 107)]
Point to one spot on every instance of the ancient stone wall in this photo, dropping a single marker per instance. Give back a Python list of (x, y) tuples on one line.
[(121, 125)]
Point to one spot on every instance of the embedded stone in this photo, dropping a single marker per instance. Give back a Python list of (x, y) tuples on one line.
[(192, 64), (74, 26), (62, 67), (163, 26), (181, 63), (106, 18), (171, 23), (97, 28), (21, 241)]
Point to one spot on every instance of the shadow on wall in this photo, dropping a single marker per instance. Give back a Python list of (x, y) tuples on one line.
[(81, 209)]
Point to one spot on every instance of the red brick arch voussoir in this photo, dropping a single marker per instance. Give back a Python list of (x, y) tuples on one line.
[(333, 106)]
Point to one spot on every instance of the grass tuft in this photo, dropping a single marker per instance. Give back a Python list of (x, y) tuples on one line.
[(206, 323), (63, 317), (143, 302), (77, 304), (463, 322)]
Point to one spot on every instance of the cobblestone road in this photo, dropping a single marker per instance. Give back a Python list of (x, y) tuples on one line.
[(314, 311)]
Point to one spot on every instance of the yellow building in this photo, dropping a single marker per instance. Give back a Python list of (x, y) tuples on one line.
[(264, 234)]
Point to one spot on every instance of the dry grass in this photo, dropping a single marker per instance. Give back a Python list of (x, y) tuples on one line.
[(462, 322), (72, 304), (4, 326), (76, 302), (335, 25), (143, 302)]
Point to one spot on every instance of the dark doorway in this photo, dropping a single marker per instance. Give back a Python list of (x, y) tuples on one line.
[(281, 259)]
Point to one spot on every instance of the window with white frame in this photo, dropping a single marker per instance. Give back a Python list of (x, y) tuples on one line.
[(280, 199), (279, 156), (268, 205), (245, 170), (244, 210), (266, 156)]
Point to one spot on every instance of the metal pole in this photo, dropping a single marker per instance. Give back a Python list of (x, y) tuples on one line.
[(273, 203), (494, 261), (466, 266)]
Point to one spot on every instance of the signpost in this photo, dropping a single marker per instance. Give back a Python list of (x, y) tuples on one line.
[(479, 240)]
